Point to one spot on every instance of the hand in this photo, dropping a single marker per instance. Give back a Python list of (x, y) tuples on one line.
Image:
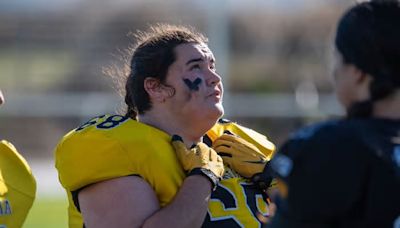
[(240, 155), (199, 159)]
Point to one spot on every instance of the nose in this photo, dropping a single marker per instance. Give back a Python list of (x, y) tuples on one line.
[(213, 78)]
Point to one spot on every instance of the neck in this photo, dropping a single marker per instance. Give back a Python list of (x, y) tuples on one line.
[(191, 131), (388, 108)]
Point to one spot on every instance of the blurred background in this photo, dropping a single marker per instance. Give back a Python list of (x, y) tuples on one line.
[(273, 56)]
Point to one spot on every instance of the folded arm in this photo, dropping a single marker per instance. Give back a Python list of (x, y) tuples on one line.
[(131, 202)]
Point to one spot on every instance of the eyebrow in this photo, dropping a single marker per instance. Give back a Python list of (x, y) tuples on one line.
[(194, 60)]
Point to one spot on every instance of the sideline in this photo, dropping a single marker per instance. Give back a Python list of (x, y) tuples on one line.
[(46, 178)]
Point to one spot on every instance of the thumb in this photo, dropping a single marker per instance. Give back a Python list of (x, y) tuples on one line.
[(179, 146)]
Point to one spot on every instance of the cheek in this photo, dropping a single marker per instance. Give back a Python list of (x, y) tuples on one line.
[(182, 95), (183, 99), (340, 93), (344, 92)]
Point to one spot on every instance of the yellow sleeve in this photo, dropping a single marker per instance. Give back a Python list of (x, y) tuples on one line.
[(16, 170), (17, 186), (255, 138), (84, 158)]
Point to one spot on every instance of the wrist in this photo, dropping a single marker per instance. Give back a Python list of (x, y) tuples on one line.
[(263, 180), (260, 182), (211, 177)]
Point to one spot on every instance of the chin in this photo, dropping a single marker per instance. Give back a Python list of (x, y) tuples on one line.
[(218, 110), (212, 114)]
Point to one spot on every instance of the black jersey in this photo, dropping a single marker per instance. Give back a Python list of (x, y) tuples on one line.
[(341, 174)]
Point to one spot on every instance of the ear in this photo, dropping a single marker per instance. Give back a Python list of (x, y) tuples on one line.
[(154, 88), (361, 82), (359, 76)]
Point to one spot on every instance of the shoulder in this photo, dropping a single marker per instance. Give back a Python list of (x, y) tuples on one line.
[(321, 129), (113, 127), (324, 134), (337, 156), (102, 130), (94, 137), (346, 134), (14, 169), (11, 158), (9, 152), (98, 150), (321, 145), (341, 128)]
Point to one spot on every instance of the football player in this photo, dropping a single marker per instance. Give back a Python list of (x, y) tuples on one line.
[(346, 173), (168, 162), (17, 185)]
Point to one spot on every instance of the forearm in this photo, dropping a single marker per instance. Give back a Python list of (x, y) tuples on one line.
[(189, 207)]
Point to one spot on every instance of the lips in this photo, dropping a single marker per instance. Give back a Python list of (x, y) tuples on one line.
[(215, 93), (215, 96)]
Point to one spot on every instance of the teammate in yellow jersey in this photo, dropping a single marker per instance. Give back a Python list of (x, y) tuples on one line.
[(17, 185), (153, 167)]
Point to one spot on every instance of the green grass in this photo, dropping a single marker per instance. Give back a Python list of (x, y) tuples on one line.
[(48, 212)]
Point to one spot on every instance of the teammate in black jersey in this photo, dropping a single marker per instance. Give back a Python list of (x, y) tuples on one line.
[(346, 173)]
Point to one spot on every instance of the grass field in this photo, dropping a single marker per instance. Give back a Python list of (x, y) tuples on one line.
[(48, 212)]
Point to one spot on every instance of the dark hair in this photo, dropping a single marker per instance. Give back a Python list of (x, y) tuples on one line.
[(151, 57), (368, 36)]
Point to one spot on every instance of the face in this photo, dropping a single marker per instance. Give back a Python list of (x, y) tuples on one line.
[(198, 87), (345, 81)]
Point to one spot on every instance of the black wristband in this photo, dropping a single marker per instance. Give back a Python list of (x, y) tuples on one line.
[(207, 173), (263, 180)]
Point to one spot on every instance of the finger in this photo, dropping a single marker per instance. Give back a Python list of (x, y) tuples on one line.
[(228, 161), (220, 164), (179, 146), (238, 144), (219, 159), (201, 147), (195, 149), (244, 150), (213, 155), (220, 142), (180, 149), (252, 147), (203, 150), (224, 151), (228, 137), (237, 140)]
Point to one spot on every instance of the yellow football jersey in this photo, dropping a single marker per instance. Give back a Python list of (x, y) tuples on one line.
[(113, 146), (17, 187), (237, 202)]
